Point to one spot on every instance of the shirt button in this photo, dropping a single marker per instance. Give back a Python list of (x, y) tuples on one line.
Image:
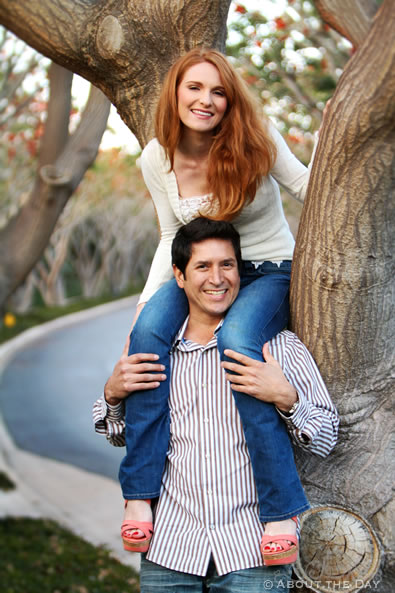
[(207, 456), (212, 526), (206, 420), (209, 491)]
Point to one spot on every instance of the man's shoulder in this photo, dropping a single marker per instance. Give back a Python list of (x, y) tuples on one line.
[(290, 351), (285, 338), (288, 346)]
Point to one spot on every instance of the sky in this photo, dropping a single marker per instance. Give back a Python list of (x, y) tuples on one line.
[(122, 137)]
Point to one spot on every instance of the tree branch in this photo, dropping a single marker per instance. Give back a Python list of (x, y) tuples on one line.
[(56, 129), (81, 149), (351, 19), (57, 180)]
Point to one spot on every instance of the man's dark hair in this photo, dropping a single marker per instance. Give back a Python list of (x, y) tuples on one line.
[(198, 230)]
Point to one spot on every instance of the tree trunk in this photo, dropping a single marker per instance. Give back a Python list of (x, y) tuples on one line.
[(343, 281), (62, 164)]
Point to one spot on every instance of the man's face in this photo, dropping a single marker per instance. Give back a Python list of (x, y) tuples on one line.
[(211, 281)]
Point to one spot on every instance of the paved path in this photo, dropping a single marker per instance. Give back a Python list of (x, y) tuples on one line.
[(48, 388), (62, 469)]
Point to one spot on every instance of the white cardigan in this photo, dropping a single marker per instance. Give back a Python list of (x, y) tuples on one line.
[(264, 231)]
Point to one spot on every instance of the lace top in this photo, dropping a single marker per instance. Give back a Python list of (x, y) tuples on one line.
[(195, 206)]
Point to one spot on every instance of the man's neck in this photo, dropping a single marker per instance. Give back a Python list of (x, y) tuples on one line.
[(200, 329)]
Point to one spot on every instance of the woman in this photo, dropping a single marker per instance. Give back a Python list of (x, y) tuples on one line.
[(213, 155)]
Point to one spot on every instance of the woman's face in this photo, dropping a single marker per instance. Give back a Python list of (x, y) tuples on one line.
[(201, 98)]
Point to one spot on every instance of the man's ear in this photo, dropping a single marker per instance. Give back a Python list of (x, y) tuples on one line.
[(179, 276)]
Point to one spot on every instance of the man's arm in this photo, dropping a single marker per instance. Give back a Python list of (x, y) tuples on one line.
[(131, 373), (287, 378)]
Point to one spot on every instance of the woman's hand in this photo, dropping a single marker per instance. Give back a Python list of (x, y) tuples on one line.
[(133, 373)]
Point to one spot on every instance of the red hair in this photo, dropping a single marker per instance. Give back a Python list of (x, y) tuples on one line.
[(242, 151)]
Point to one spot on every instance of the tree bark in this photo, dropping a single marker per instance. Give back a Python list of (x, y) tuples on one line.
[(62, 164), (343, 280), (352, 20), (102, 41)]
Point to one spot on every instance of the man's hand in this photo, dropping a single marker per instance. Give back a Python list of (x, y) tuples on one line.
[(263, 380), (133, 373)]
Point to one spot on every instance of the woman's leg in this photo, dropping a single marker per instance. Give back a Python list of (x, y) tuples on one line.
[(259, 312), (147, 412)]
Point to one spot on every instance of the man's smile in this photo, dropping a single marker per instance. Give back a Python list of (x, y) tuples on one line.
[(216, 292)]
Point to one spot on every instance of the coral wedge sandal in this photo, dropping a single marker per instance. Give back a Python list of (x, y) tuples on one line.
[(137, 543), (288, 553)]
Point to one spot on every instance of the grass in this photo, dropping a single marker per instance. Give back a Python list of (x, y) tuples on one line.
[(39, 556)]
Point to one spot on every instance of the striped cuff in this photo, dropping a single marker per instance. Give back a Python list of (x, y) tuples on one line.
[(115, 412), (298, 420)]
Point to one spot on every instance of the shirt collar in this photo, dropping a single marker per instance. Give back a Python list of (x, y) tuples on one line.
[(180, 342)]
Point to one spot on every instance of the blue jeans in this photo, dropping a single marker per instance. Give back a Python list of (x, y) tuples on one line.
[(260, 311), (158, 579)]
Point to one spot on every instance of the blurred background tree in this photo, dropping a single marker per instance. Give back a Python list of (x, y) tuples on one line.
[(44, 158), (23, 105), (104, 239), (293, 62)]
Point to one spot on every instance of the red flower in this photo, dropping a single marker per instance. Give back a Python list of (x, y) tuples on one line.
[(280, 23), (39, 131), (241, 9), (294, 139), (31, 147)]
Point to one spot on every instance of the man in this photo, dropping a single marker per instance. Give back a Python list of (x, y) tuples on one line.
[(207, 528)]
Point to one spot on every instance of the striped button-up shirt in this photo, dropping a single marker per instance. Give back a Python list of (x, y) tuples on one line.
[(208, 504)]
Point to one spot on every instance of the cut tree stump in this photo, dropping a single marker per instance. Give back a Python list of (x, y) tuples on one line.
[(339, 550)]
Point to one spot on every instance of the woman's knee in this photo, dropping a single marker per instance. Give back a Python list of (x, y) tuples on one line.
[(234, 336), (159, 320), (150, 333)]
